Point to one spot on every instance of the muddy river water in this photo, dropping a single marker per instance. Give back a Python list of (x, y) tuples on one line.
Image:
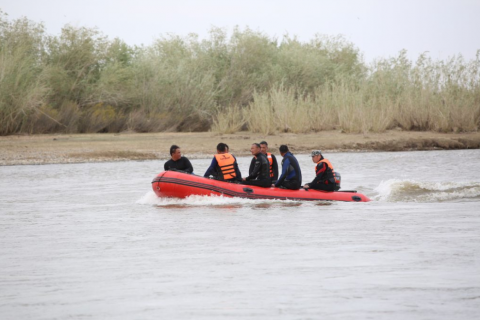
[(92, 241)]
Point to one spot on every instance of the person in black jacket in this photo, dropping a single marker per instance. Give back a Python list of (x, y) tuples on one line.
[(259, 175), (291, 177), (272, 160), (177, 162), (324, 174)]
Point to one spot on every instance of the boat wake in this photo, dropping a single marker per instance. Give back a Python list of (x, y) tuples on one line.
[(150, 198), (396, 190)]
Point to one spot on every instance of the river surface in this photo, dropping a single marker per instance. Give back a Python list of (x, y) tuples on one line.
[(92, 241)]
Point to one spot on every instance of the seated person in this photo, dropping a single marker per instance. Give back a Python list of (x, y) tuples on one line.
[(224, 166), (259, 175), (272, 160), (325, 175), (291, 177), (177, 162)]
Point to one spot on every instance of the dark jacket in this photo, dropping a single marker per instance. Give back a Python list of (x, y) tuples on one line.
[(274, 167), (260, 169), (323, 174), (182, 164), (290, 170)]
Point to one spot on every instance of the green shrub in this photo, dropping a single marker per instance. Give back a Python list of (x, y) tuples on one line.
[(80, 81), (21, 87)]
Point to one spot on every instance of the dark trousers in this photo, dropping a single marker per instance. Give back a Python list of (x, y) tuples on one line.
[(323, 186), (291, 184), (220, 178), (266, 183)]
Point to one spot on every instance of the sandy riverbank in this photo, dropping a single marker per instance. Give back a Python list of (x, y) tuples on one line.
[(44, 149)]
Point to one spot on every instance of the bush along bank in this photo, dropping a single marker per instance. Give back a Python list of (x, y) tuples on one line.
[(80, 81)]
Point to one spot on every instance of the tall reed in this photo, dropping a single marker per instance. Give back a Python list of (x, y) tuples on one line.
[(81, 81), (21, 88), (429, 95)]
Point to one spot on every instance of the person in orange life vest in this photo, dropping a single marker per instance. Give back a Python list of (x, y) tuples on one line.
[(324, 179), (224, 166), (177, 162), (260, 174), (272, 160)]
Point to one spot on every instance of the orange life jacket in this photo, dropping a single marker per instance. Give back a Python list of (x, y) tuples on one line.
[(225, 162), (330, 168), (270, 161)]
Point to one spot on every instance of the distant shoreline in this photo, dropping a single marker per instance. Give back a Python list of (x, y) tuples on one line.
[(80, 148)]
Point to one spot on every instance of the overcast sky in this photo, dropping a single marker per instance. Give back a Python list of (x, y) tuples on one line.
[(379, 28)]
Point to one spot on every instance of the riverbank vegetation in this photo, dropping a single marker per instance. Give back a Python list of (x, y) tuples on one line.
[(80, 81)]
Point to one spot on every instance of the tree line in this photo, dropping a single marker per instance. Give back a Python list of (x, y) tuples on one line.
[(82, 81)]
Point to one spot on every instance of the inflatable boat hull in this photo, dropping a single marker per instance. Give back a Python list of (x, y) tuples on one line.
[(181, 185)]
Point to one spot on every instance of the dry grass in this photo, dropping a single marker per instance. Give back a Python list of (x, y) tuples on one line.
[(230, 120), (396, 94)]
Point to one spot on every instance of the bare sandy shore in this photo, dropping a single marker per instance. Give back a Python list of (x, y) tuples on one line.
[(74, 148)]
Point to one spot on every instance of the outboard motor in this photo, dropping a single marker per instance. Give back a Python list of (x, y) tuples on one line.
[(338, 180)]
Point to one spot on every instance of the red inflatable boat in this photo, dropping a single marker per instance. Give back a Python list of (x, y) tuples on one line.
[(180, 185)]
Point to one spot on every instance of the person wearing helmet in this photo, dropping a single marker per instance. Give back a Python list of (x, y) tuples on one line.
[(324, 174)]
